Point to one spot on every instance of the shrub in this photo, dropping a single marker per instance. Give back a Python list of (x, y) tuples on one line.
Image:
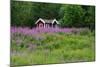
[(85, 31)]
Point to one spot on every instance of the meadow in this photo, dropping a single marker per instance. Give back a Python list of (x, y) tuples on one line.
[(51, 46)]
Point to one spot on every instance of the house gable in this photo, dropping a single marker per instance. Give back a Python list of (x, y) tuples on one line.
[(45, 23), (39, 21), (55, 21)]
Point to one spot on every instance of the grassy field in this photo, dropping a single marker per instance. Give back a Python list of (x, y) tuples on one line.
[(50, 48)]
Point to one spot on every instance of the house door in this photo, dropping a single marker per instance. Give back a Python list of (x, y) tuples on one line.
[(40, 25)]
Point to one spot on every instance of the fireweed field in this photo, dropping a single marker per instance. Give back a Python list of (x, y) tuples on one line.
[(47, 46)]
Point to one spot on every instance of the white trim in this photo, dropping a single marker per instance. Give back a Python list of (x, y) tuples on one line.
[(54, 21), (40, 19)]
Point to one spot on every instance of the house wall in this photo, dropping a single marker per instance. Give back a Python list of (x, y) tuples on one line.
[(40, 24), (55, 25), (48, 25)]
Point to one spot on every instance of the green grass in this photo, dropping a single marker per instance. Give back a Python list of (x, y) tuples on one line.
[(52, 48)]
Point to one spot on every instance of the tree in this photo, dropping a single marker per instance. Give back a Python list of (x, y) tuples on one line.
[(71, 15), (89, 16), (20, 13), (26, 13)]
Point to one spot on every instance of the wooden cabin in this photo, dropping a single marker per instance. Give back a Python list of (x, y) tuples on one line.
[(46, 23)]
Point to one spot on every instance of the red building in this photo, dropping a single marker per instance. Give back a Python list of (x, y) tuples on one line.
[(45, 23)]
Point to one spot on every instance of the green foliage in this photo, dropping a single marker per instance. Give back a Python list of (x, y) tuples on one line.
[(21, 13), (27, 13), (85, 32), (89, 17), (71, 15), (53, 48)]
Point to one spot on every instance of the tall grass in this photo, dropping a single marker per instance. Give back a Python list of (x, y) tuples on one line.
[(48, 48)]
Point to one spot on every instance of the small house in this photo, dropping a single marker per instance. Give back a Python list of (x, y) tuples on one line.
[(45, 23)]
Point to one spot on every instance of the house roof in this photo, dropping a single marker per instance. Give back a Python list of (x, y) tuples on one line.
[(47, 21)]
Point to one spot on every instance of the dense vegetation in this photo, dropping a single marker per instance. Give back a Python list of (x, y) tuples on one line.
[(73, 42), (31, 46), (26, 14)]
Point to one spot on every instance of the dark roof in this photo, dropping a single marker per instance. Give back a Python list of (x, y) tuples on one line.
[(48, 21)]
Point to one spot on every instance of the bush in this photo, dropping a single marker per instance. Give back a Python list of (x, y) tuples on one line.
[(85, 31)]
